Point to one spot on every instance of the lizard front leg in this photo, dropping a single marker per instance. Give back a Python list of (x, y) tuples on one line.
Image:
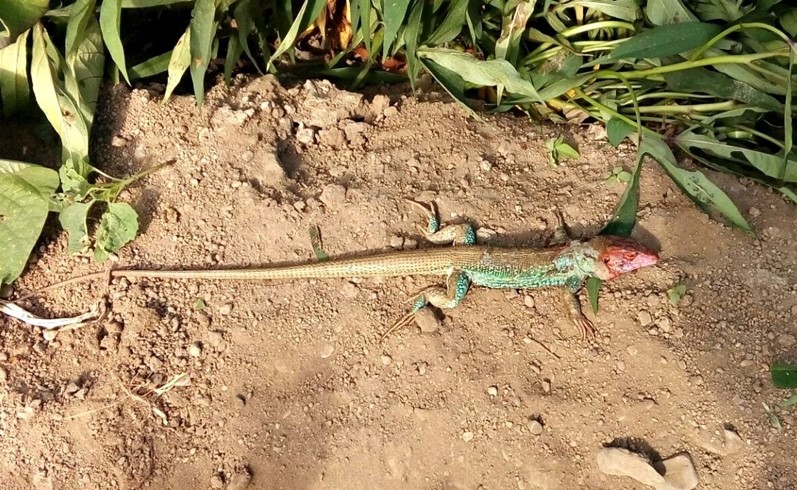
[(582, 323), (461, 234), (449, 297)]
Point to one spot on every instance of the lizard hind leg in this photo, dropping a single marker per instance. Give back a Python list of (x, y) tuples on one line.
[(449, 297), (582, 323), (461, 234)]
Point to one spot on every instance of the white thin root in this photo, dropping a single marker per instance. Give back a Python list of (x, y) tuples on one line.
[(15, 311)]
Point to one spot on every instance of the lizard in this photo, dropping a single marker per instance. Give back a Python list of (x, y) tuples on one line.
[(565, 266)]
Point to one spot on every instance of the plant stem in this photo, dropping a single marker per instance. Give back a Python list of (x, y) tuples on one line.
[(717, 60)]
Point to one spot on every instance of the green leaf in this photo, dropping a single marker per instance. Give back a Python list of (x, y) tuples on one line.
[(495, 73), (451, 82), (178, 63), (663, 12), (514, 26), (244, 14), (138, 4), (118, 226), (25, 192), (17, 16), (73, 220), (451, 26), (14, 75), (84, 71), (153, 66), (661, 41), (617, 130), (593, 286), (394, 13), (303, 19), (624, 216), (79, 16), (619, 9), (561, 86), (675, 294), (792, 400), (60, 108), (770, 165), (565, 150), (702, 80), (789, 22), (110, 18), (203, 31), (783, 375), (789, 193), (411, 40), (365, 16), (315, 242), (702, 191)]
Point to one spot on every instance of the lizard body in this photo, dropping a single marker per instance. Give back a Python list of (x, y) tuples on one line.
[(562, 266)]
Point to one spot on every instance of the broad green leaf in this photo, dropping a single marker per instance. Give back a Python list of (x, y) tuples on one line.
[(138, 4), (745, 74), (14, 75), (178, 63), (770, 165), (84, 71), (617, 130), (497, 73), (559, 87), (789, 22), (451, 82), (80, 15), (664, 12), (451, 26), (662, 41), (619, 9), (395, 11), (110, 18), (411, 41), (303, 19), (702, 191), (783, 375), (203, 31), (365, 15), (243, 14), (624, 216), (17, 16), (792, 400), (25, 192), (565, 150), (789, 193), (720, 85), (593, 286), (153, 66), (118, 226), (61, 109), (73, 220)]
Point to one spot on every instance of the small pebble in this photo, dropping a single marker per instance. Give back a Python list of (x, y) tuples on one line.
[(215, 338), (755, 212), (327, 350), (535, 427), (386, 360), (396, 242), (644, 318), (225, 309), (664, 324), (632, 350), (528, 301), (622, 462), (3, 374), (546, 385), (696, 380), (239, 481), (195, 349), (486, 166), (426, 320), (492, 391), (50, 335), (680, 473), (786, 340), (467, 436)]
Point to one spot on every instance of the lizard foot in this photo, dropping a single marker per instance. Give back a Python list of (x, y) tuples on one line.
[(403, 322), (585, 327)]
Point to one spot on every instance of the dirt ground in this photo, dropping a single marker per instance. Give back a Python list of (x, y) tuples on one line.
[(285, 385)]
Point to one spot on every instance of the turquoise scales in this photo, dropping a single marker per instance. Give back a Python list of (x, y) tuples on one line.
[(565, 267)]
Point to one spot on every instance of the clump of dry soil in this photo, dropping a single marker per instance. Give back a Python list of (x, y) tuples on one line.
[(286, 385)]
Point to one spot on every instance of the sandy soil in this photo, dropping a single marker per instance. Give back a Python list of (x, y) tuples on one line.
[(286, 385)]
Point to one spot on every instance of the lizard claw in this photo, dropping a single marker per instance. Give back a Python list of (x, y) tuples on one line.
[(586, 327), (402, 322)]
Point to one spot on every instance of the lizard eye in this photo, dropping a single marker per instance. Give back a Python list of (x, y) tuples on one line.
[(630, 256)]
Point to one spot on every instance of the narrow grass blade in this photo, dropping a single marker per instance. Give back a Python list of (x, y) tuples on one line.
[(624, 216), (451, 26), (395, 11), (153, 66), (203, 31), (309, 10), (110, 19)]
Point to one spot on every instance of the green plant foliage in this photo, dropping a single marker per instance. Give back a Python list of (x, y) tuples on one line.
[(557, 149), (783, 375)]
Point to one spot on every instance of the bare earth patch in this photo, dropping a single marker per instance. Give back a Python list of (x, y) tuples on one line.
[(287, 385)]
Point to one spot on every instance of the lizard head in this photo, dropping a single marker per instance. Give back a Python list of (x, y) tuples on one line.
[(620, 255)]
